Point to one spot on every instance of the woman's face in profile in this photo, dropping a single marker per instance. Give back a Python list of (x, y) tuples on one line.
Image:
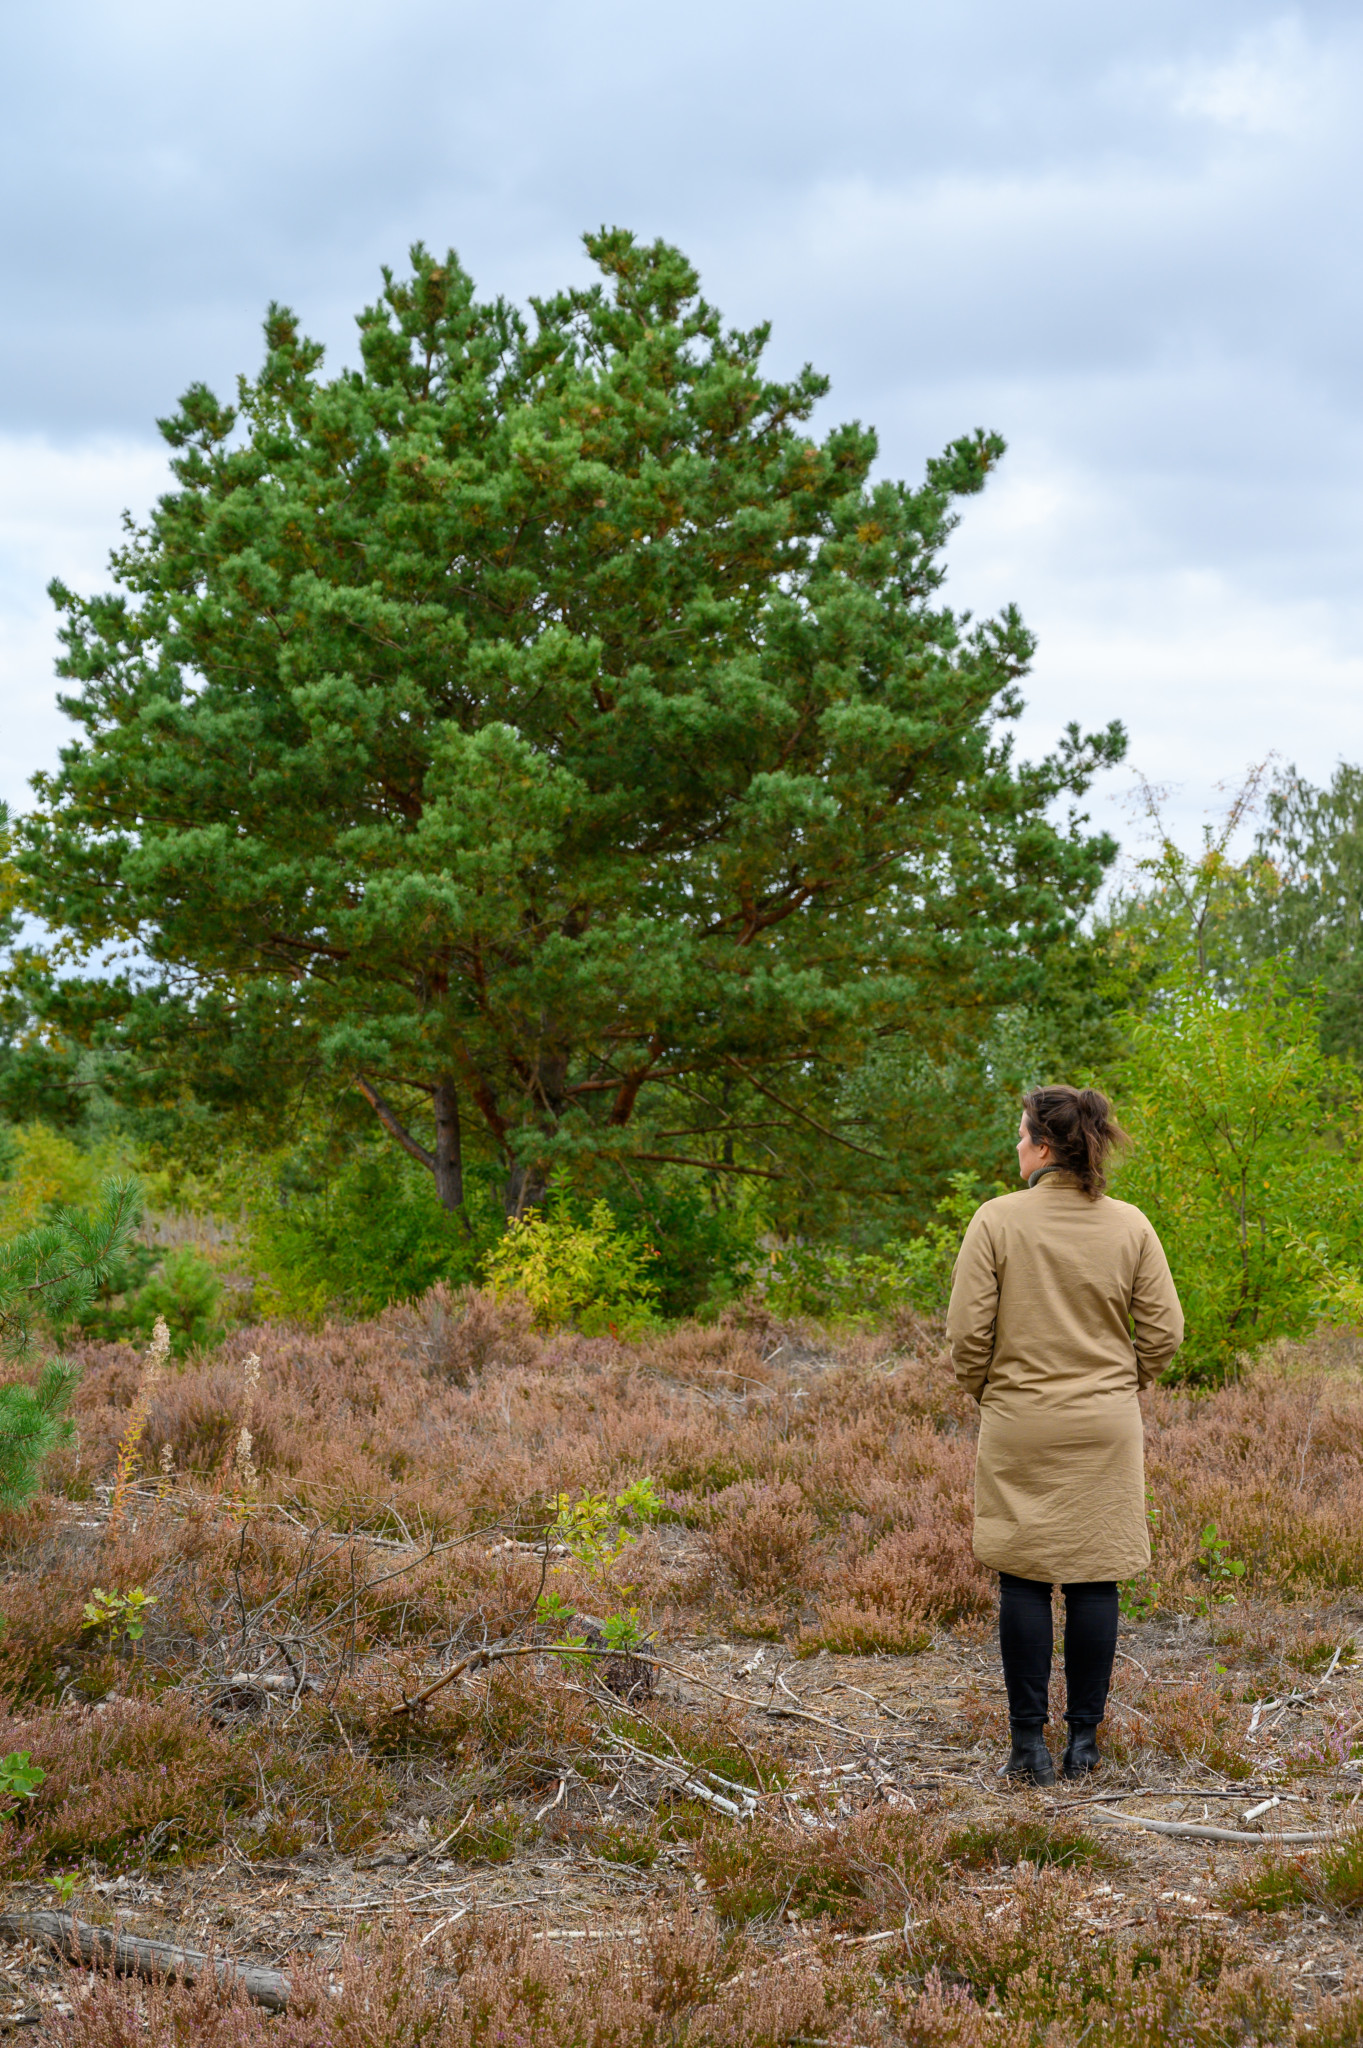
[(1030, 1154)]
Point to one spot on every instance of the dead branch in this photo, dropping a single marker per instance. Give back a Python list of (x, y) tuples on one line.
[(690, 1775), (494, 1654), (1193, 1832), (130, 1955), (478, 1658)]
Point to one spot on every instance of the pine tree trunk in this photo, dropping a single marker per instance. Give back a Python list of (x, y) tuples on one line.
[(526, 1188), (449, 1164)]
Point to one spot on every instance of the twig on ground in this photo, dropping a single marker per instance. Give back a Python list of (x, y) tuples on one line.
[(842, 1686), (495, 1653), (557, 1799), (440, 1847), (1175, 1792), (448, 1921)]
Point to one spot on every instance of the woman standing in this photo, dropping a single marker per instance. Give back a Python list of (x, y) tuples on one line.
[(1062, 1307)]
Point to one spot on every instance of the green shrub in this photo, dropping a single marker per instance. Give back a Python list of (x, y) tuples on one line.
[(19, 1778), (1248, 1144), (178, 1287), (838, 1284), (41, 1169), (357, 1237), (704, 1241), (593, 1274), (51, 1269)]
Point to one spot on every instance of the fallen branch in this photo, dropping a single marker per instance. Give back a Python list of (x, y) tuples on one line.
[(1175, 1792), (1193, 1832), (739, 1699), (690, 1783), (496, 1652), (557, 1799), (130, 1955)]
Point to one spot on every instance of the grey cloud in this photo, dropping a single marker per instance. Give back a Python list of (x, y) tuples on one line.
[(169, 170), (1122, 234)]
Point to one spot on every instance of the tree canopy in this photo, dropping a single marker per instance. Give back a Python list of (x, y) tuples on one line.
[(1308, 908), (545, 734)]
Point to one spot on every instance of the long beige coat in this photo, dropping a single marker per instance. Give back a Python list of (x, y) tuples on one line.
[(1047, 1291)]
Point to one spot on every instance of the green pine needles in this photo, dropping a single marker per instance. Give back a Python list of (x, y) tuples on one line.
[(50, 1272)]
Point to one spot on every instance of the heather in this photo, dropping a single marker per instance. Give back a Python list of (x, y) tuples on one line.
[(736, 1784)]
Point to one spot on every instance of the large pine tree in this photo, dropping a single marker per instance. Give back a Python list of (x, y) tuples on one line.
[(541, 728)]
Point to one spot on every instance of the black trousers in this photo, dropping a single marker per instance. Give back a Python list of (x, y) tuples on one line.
[(1027, 1644)]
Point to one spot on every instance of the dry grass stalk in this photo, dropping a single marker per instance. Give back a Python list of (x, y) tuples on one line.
[(130, 1443)]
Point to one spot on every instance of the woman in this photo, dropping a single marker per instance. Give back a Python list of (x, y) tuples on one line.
[(1062, 1307)]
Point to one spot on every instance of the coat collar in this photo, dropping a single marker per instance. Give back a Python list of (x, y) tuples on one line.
[(1061, 1174)]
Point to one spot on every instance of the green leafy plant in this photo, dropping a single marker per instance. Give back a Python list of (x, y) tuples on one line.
[(1217, 1566), (1339, 1288), (19, 1778), (65, 1886), (623, 1631), (552, 1612), (591, 1274), (112, 1615), (596, 1528), (837, 1284)]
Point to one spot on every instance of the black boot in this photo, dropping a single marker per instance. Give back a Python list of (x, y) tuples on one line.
[(1029, 1760), (1081, 1751)]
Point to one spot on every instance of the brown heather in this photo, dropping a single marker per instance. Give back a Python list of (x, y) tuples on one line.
[(817, 1497), (678, 1981), (842, 1480)]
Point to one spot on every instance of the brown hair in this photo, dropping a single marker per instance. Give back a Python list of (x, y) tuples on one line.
[(1079, 1127)]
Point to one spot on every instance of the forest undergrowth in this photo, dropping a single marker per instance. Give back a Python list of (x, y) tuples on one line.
[(715, 1755)]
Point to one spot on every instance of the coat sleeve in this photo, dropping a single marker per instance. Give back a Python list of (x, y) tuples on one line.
[(974, 1306), (1156, 1314)]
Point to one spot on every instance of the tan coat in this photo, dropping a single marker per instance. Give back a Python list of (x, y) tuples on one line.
[(1047, 1290)]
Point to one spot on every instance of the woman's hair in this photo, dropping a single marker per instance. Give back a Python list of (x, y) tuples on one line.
[(1079, 1127)]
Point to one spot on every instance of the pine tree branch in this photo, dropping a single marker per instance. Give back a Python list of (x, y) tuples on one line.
[(388, 1118)]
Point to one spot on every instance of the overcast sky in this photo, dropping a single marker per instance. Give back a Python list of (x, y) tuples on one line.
[(1126, 236)]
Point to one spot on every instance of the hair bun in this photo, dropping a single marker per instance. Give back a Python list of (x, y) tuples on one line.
[(1078, 1126)]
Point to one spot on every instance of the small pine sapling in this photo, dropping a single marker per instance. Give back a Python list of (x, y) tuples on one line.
[(51, 1272)]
